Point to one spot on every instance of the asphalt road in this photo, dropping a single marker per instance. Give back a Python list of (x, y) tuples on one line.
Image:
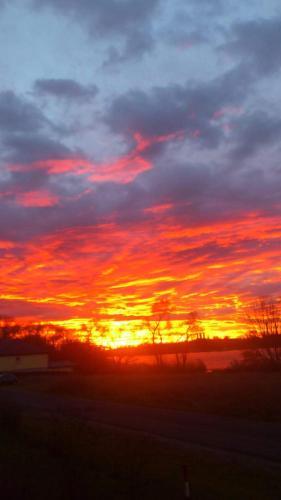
[(259, 440)]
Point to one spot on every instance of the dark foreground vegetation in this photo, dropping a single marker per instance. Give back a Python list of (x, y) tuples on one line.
[(250, 395), (49, 457)]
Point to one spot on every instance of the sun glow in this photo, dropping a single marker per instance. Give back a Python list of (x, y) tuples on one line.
[(113, 334)]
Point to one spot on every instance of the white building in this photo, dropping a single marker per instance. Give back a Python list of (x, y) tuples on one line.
[(18, 355)]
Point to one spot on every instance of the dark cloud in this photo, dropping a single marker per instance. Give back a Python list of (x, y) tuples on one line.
[(105, 15), (65, 89), (17, 114), (253, 133), (23, 223), (28, 148), (189, 109), (258, 43), (197, 195), (25, 132), (19, 181), (127, 19), (135, 46)]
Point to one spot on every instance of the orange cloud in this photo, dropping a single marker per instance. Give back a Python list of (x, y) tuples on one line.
[(114, 273)]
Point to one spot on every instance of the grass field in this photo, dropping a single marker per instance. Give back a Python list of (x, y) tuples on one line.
[(248, 395), (43, 458)]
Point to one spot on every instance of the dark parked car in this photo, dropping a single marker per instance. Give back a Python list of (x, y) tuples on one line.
[(8, 379)]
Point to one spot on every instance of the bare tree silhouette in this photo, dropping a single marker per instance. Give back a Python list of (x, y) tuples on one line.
[(193, 330), (159, 318), (264, 318)]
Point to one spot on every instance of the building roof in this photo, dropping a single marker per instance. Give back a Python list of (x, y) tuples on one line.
[(9, 347)]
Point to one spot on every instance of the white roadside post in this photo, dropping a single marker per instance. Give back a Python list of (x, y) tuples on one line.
[(186, 483)]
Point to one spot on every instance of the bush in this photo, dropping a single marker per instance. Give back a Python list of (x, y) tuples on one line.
[(192, 366), (254, 360), (196, 366), (86, 357)]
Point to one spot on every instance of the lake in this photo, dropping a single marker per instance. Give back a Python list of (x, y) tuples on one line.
[(213, 360)]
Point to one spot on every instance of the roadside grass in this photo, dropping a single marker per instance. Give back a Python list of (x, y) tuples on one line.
[(50, 457), (248, 395)]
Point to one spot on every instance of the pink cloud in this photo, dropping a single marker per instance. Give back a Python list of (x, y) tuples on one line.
[(40, 198), (56, 166), (123, 169)]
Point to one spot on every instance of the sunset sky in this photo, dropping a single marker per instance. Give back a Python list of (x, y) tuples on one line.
[(140, 159)]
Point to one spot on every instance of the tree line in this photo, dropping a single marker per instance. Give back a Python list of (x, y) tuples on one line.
[(262, 316)]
